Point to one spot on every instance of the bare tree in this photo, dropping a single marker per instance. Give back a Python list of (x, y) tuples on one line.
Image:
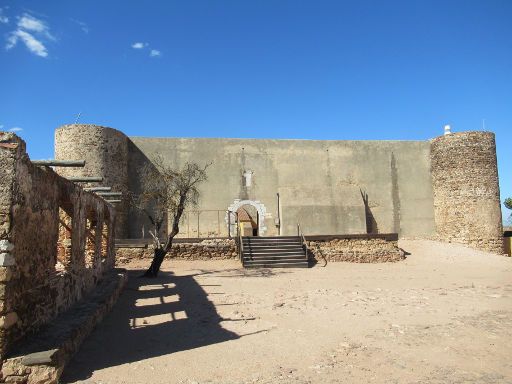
[(508, 204), (167, 192)]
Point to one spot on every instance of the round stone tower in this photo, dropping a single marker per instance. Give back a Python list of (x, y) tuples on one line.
[(105, 151), (466, 190)]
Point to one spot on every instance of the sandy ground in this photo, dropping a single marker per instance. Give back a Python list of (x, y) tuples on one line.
[(444, 315)]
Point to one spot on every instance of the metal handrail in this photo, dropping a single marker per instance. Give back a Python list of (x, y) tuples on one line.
[(305, 245)]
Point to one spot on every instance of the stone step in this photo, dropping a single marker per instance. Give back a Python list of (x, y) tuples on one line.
[(275, 254), (272, 241), (271, 237), (273, 249), (297, 256), (294, 264), (272, 244)]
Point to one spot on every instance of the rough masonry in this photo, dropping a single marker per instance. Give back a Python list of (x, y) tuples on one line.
[(56, 246), (466, 190)]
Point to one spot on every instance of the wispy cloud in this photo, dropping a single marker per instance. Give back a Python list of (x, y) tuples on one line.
[(139, 45), (1, 126), (35, 46), (142, 46), (15, 129), (30, 23), (3, 19), (32, 32), (155, 53), (83, 26)]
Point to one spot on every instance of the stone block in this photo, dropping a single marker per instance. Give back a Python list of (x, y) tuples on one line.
[(40, 358), (6, 246), (7, 260), (8, 320), (5, 274), (16, 379)]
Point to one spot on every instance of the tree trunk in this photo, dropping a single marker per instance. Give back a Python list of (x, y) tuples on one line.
[(158, 258), (160, 252)]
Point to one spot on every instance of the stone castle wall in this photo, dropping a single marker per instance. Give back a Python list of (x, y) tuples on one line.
[(56, 243), (105, 151), (446, 188), (466, 190)]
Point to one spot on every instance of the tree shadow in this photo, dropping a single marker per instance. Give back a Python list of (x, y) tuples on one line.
[(371, 222), (153, 317)]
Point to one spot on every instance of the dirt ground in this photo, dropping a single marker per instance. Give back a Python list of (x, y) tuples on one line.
[(444, 315)]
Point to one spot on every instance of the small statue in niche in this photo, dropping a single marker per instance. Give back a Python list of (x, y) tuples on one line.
[(248, 178)]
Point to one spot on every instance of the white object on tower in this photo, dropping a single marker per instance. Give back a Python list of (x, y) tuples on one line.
[(447, 130), (248, 178)]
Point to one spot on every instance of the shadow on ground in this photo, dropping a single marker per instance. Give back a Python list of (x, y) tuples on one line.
[(153, 317)]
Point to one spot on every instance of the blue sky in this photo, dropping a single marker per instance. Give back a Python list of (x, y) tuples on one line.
[(394, 70)]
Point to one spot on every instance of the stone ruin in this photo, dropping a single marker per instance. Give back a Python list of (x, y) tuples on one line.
[(57, 240), (57, 258)]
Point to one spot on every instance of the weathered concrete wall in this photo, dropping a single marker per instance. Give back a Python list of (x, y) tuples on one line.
[(466, 190), (105, 151), (355, 249), (207, 249), (321, 183), (326, 186), (56, 242)]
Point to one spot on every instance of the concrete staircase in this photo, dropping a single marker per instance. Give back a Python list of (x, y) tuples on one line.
[(274, 252)]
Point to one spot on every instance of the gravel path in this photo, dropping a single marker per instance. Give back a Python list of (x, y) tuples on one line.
[(444, 315)]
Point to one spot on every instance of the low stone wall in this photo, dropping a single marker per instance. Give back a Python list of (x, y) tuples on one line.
[(206, 249), (56, 243), (355, 249), (41, 358)]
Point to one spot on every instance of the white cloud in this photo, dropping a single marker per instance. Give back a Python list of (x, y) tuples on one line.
[(83, 26), (143, 46), (35, 46), (30, 23), (15, 129), (139, 45), (32, 32), (155, 53), (3, 19)]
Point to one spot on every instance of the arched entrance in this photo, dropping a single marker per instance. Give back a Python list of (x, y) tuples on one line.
[(248, 219), (261, 212)]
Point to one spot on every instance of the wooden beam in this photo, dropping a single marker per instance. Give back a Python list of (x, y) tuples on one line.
[(86, 179), (113, 201), (98, 189), (60, 163), (115, 194)]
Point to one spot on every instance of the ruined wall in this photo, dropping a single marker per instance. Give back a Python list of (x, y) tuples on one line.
[(207, 249), (56, 242), (105, 151), (355, 249), (466, 190)]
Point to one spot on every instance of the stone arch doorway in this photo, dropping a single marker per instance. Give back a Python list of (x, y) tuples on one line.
[(261, 212)]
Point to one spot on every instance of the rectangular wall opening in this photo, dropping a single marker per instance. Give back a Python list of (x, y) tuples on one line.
[(90, 239), (64, 241)]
